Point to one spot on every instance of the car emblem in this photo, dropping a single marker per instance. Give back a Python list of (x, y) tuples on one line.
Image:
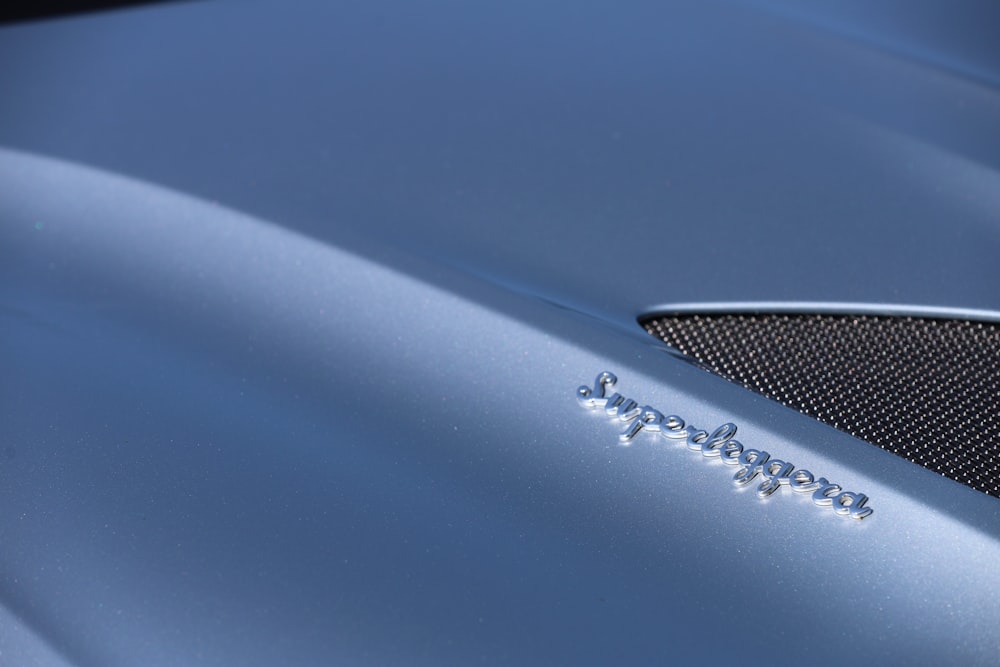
[(752, 464)]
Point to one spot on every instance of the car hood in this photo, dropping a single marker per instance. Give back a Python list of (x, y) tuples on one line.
[(302, 309), (615, 159)]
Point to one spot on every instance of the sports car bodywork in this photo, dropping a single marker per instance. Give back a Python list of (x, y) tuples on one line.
[(302, 309)]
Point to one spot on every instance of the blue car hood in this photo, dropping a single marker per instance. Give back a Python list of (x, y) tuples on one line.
[(302, 307)]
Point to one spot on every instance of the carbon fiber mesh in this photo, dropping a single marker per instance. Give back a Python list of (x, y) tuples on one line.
[(925, 389)]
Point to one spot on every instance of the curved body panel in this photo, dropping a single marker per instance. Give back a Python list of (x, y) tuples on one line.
[(294, 316)]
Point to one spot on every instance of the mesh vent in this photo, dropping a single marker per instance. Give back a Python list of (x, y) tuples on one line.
[(925, 389)]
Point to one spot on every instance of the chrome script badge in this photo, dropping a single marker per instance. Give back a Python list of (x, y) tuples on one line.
[(752, 463)]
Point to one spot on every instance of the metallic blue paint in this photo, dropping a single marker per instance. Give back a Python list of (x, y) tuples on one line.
[(294, 302)]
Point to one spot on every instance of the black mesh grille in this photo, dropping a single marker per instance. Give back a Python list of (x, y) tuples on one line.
[(925, 389)]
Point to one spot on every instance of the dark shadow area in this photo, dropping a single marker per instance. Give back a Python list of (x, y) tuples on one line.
[(13, 12)]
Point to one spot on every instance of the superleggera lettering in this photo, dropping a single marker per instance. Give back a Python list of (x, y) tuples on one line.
[(753, 464)]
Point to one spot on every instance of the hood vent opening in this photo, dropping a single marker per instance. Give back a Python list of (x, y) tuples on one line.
[(926, 389)]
